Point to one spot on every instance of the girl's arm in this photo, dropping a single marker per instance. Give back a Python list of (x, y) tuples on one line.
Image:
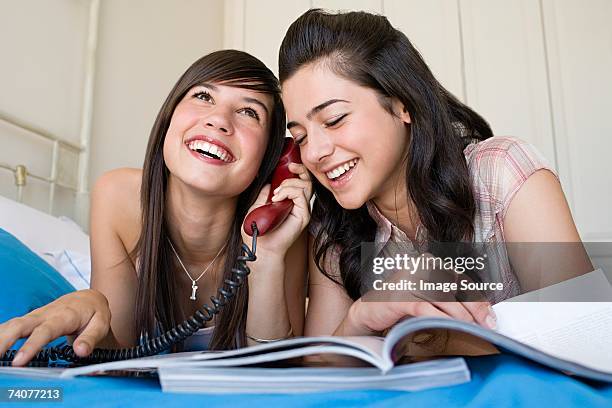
[(114, 229), (542, 240), (278, 276), (277, 294), (328, 303)]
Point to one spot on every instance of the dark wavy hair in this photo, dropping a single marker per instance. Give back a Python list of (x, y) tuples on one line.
[(366, 49), (156, 301)]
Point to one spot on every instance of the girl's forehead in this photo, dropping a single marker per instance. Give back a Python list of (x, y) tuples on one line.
[(312, 83), (312, 86), (316, 71)]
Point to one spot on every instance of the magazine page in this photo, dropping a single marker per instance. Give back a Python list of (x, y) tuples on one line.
[(32, 372), (287, 354), (136, 364), (573, 331), (59, 371), (366, 344), (570, 336), (367, 349), (578, 332)]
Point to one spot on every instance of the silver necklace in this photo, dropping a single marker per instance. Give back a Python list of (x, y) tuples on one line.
[(194, 287)]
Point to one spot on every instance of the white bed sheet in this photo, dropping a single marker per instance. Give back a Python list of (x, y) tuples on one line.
[(59, 241)]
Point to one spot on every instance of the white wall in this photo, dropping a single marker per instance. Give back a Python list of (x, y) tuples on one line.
[(41, 74)]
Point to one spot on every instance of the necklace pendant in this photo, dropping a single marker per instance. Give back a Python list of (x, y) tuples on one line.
[(194, 287)]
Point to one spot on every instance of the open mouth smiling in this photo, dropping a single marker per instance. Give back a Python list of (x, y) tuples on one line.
[(210, 150), (342, 173)]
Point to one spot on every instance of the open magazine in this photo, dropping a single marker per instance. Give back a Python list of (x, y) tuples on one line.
[(572, 337), (240, 371)]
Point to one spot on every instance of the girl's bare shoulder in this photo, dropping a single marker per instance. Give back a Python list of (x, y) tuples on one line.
[(115, 201)]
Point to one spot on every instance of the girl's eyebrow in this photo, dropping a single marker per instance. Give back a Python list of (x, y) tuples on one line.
[(209, 86), (257, 102), (316, 110)]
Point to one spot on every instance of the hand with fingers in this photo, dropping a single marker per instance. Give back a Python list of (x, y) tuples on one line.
[(373, 317), (378, 311), (84, 313), (299, 190)]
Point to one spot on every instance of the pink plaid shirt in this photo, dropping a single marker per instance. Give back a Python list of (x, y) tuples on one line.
[(498, 167)]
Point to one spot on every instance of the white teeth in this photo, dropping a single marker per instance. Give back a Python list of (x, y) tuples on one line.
[(210, 148), (341, 169)]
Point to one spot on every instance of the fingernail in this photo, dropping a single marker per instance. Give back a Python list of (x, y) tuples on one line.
[(490, 321), (276, 190), (18, 357), (82, 348), (492, 313)]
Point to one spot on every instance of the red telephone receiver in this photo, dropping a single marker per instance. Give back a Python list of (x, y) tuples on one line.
[(270, 215)]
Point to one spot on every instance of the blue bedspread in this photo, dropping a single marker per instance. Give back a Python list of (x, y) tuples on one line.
[(500, 381)]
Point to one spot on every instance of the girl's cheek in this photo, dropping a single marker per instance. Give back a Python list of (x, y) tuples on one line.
[(254, 147), (304, 157)]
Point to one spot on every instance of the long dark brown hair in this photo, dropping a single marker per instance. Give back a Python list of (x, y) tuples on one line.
[(366, 49), (157, 305)]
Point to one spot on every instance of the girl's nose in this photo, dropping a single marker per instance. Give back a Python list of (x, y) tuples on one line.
[(221, 128), (219, 119), (319, 147)]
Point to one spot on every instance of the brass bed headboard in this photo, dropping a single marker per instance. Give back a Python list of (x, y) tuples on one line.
[(54, 178)]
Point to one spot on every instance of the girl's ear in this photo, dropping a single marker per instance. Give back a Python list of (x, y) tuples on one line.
[(401, 111)]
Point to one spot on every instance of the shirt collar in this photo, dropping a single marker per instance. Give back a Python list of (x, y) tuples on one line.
[(386, 231), (384, 227)]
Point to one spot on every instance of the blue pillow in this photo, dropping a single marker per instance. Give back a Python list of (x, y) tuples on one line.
[(26, 280)]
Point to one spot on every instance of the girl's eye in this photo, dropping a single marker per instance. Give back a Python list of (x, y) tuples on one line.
[(299, 140), (203, 95), (335, 121), (250, 112)]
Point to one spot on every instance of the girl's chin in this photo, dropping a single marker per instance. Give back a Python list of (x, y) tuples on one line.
[(211, 187), (349, 203)]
